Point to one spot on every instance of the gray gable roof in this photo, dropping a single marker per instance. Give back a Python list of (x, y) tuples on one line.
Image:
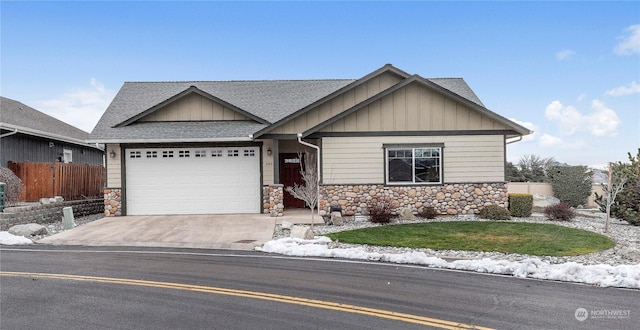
[(268, 102), (14, 114)]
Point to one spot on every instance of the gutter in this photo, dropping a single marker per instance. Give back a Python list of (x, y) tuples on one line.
[(43, 134), (318, 161), (519, 138), (15, 130)]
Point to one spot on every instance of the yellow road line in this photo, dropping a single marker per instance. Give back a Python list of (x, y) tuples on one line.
[(410, 318)]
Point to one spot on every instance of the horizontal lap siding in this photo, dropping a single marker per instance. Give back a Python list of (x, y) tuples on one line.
[(360, 160)]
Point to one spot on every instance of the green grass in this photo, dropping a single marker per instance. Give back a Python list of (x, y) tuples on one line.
[(500, 236)]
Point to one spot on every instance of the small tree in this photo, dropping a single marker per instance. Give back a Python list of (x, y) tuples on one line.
[(533, 167), (570, 184), (611, 190), (513, 174), (626, 204), (308, 191)]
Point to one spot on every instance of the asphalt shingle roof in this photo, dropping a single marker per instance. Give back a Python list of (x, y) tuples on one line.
[(19, 114), (271, 100)]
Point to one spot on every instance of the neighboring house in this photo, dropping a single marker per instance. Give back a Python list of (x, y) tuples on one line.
[(28, 135), (210, 147)]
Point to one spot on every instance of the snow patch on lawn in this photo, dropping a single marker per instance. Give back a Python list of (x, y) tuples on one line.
[(9, 239)]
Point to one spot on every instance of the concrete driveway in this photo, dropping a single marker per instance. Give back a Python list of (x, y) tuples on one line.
[(235, 231)]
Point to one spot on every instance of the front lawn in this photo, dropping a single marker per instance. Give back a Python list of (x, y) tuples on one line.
[(511, 237)]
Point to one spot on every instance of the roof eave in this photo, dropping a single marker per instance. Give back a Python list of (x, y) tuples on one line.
[(43, 134), (175, 140)]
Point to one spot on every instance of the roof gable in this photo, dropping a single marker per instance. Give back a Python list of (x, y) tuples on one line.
[(474, 115), (171, 109)]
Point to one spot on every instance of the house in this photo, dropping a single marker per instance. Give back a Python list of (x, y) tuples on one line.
[(212, 147), (28, 135)]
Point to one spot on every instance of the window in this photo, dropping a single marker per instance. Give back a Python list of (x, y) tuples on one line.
[(167, 154), (233, 153), (67, 156), (249, 152), (135, 154), (200, 153), (414, 165), (152, 154), (216, 153), (183, 153)]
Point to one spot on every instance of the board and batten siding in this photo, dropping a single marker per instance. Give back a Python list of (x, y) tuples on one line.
[(414, 107), (360, 160), (338, 104), (114, 172), (193, 107)]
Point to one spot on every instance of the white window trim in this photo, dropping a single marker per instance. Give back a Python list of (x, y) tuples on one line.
[(412, 183), (67, 155)]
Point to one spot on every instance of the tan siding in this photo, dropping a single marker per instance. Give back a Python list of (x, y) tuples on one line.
[(267, 162), (412, 108), (193, 107), (114, 172), (360, 160), (338, 105)]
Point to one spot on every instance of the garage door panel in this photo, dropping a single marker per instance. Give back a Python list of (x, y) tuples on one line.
[(223, 180)]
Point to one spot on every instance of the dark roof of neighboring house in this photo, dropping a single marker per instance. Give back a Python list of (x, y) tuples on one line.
[(266, 101), (17, 115)]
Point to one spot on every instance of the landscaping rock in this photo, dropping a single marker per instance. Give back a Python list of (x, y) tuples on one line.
[(406, 214), (336, 218), (286, 224), (30, 229), (301, 232)]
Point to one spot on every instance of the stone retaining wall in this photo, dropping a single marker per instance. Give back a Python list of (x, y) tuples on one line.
[(459, 198), (112, 202), (47, 213), (273, 199)]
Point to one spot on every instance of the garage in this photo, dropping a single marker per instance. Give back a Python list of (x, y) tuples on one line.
[(192, 180)]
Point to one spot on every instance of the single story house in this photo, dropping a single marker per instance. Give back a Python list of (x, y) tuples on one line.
[(214, 147), (28, 135)]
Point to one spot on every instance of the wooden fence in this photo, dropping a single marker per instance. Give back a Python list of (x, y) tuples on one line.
[(71, 181)]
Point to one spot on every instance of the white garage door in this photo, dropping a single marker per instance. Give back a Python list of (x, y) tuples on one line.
[(193, 180)]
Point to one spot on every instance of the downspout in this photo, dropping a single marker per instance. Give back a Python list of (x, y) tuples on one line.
[(318, 161)]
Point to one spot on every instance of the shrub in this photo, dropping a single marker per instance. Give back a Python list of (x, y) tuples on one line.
[(570, 184), (14, 185), (494, 212), (520, 205), (380, 210), (559, 212), (428, 212)]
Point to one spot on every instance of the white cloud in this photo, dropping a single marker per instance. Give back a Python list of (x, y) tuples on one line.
[(80, 107), (547, 140), (631, 88), (564, 55), (602, 121), (581, 97), (629, 44)]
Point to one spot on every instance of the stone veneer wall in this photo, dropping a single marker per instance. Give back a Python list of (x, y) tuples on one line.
[(112, 202), (273, 199), (458, 198), (47, 213)]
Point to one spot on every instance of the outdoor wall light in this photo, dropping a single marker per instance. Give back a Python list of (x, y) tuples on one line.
[(112, 154), (269, 152)]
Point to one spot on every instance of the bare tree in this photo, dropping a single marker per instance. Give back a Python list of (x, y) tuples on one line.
[(614, 186), (308, 191)]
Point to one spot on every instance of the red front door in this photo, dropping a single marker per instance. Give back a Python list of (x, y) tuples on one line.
[(290, 174)]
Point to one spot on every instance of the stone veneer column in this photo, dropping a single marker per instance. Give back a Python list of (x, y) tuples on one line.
[(112, 202), (273, 199), (452, 199)]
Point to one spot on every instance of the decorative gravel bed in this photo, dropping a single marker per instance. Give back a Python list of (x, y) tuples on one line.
[(626, 251), (57, 227)]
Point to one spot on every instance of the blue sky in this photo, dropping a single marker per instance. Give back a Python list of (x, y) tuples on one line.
[(570, 71)]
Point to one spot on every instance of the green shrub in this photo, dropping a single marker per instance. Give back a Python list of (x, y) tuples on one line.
[(520, 205), (494, 212), (428, 212), (380, 210), (570, 184), (13, 190), (559, 212)]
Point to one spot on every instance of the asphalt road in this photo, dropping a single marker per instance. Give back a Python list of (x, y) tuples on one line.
[(125, 288)]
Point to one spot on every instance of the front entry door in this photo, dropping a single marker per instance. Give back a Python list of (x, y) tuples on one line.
[(290, 174)]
